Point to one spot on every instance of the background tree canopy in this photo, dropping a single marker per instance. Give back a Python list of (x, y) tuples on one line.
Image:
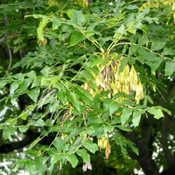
[(87, 86)]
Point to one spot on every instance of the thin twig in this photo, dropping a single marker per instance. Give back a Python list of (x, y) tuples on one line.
[(10, 56), (4, 38)]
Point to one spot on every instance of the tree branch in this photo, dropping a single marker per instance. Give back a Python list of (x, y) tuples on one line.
[(29, 138), (9, 147), (10, 56)]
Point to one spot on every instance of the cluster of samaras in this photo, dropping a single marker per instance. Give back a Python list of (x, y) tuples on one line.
[(103, 143), (153, 4), (82, 3), (112, 79)]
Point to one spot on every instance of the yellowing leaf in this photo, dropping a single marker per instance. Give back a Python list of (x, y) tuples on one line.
[(156, 112)]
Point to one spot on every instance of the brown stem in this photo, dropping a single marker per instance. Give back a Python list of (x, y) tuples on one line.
[(10, 56)]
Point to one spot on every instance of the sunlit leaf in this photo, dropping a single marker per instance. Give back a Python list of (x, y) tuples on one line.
[(89, 145)]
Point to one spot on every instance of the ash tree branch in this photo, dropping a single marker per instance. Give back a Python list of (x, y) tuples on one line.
[(9, 147), (28, 139)]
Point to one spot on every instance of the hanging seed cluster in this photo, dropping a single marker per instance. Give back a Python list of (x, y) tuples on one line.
[(103, 143), (83, 3), (116, 81), (153, 4), (160, 3), (53, 3)]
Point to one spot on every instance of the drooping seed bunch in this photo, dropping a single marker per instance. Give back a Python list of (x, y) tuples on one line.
[(116, 81), (103, 143), (159, 3), (53, 3), (153, 4), (83, 3)]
